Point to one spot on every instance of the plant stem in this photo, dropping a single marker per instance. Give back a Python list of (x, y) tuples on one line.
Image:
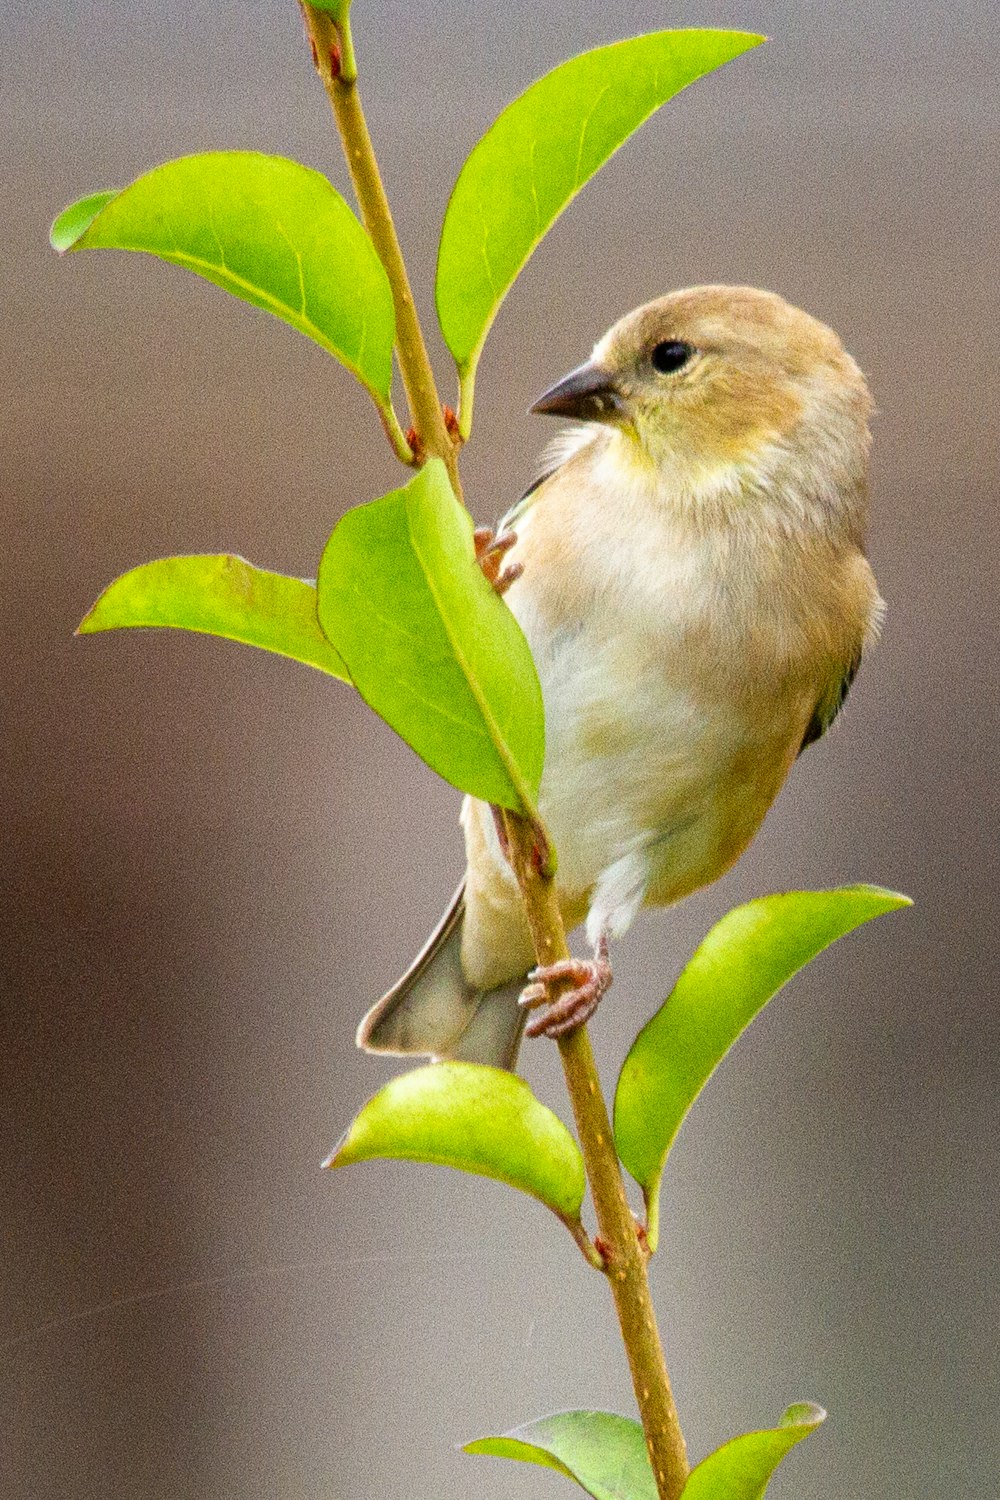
[(620, 1255), (625, 1258), (333, 51)]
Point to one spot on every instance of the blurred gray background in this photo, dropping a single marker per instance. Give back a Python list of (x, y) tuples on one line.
[(215, 860)]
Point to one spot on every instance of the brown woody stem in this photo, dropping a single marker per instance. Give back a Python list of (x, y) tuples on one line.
[(333, 52), (625, 1257), (621, 1256)]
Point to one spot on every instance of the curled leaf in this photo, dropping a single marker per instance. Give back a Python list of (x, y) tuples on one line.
[(219, 594), (75, 220), (741, 1468), (474, 1118)]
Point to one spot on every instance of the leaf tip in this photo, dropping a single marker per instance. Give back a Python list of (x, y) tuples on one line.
[(890, 900), (803, 1414), (69, 227), (750, 39), (337, 1156)]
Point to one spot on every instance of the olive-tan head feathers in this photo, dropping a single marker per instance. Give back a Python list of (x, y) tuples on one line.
[(714, 373)]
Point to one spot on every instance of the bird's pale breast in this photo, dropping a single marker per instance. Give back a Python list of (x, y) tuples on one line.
[(679, 668)]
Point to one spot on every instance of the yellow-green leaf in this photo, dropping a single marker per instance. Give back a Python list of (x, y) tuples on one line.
[(535, 158), (428, 643), (219, 594), (477, 1119), (743, 962), (268, 230), (741, 1468)]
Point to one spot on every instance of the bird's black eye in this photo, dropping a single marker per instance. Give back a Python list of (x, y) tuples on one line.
[(670, 356)]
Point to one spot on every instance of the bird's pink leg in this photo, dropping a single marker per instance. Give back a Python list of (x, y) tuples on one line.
[(591, 978), (490, 553)]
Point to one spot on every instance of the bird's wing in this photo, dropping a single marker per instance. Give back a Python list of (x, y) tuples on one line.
[(562, 448), (510, 520), (830, 704)]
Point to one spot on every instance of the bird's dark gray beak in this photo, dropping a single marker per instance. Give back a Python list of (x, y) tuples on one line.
[(588, 394)]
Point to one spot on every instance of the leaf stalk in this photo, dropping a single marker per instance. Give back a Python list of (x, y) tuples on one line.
[(590, 1252)]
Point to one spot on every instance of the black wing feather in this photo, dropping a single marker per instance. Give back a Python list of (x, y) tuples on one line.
[(829, 706)]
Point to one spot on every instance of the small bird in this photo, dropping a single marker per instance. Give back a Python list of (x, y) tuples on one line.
[(690, 575)]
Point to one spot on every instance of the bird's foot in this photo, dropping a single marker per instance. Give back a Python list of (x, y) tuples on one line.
[(490, 553), (589, 979)]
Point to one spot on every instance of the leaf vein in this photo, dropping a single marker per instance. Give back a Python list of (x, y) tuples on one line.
[(271, 303), (297, 253), (585, 124)]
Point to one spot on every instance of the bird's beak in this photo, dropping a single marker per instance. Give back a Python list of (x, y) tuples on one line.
[(589, 394)]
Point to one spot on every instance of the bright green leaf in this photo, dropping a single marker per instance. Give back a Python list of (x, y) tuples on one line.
[(741, 1468), (538, 154), (743, 962), (220, 595), (266, 229), (478, 1119), (428, 643), (77, 219), (604, 1454)]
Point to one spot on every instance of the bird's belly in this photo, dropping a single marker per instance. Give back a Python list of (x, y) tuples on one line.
[(644, 759)]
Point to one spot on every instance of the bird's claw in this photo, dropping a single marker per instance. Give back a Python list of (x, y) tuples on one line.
[(490, 553), (589, 980)]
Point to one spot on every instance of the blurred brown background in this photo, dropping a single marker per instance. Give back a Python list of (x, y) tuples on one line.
[(214, 860)]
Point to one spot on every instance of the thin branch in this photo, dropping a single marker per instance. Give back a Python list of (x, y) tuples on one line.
[(398, 441), (333, 53), (621, 1256), (625, 1257)]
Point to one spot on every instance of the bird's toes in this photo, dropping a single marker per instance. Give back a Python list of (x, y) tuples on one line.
[(571, 1010), (588, 979), (533, 995), (490, 553)]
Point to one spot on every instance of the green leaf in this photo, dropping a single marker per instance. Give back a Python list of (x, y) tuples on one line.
[(605, 1454), (428, 643), (220, 595), (743, 962), (741, 1468), (266, 229), (77, 219), (537, 155), (478, 1119)]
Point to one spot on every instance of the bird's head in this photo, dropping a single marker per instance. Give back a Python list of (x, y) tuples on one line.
[(718, 379)]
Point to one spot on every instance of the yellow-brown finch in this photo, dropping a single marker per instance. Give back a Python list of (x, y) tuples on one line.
[(694, 588)]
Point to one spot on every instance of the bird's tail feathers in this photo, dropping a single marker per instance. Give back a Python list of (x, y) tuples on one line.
[(434, 1011)]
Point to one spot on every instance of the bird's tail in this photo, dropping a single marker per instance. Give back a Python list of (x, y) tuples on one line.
[(434, 1010)]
